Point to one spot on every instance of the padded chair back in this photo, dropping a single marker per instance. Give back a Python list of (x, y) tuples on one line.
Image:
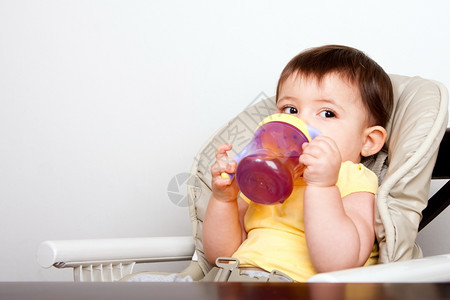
[(416, 128), (404, 168)]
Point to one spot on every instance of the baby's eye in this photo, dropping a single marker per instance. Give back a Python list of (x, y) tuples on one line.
[(290, 110), (327, 114)]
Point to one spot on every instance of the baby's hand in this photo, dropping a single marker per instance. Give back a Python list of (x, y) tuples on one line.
[(322, 161), (223, 188)]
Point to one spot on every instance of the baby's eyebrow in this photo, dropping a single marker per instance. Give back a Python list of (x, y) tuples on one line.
[(330, 101), (286, 98)]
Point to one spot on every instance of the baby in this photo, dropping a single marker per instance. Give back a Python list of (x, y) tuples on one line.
[(327, 222)]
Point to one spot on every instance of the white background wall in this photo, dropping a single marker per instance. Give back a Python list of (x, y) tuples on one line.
[(104, 102)]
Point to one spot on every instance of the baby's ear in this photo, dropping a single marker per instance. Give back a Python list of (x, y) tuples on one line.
[(374, 138)]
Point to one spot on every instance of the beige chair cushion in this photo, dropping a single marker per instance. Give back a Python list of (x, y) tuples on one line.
[(415, 130)]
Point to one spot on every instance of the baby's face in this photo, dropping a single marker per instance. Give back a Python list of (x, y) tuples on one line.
[(333, 106)]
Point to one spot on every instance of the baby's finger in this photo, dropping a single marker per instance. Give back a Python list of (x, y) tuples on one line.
[(320, 146), (221, 181), (222, 150), (224, 164), (314, 150), (306, 159), (327, 142), (218, 168), (231, 166)]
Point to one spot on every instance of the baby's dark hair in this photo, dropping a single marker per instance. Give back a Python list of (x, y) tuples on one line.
[(374, 84)]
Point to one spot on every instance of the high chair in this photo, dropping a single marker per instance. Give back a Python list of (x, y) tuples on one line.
[(404, 169)]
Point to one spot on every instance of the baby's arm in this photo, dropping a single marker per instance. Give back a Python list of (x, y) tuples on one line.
[(339, 232), (223, 229)]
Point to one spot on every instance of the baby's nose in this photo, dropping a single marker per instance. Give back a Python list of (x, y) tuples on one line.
[(304, 118)]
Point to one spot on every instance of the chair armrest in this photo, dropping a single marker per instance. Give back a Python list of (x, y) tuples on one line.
[(72, 253), (429, 269)]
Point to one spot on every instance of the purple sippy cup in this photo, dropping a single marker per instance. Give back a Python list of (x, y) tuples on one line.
[(268, 165)]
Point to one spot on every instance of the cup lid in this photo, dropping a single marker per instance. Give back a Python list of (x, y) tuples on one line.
[(288, 119)]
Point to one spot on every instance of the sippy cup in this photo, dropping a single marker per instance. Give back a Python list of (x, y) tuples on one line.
[(268, 165)]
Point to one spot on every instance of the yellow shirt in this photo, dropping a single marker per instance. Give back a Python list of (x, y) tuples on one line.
[(276, 236)]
